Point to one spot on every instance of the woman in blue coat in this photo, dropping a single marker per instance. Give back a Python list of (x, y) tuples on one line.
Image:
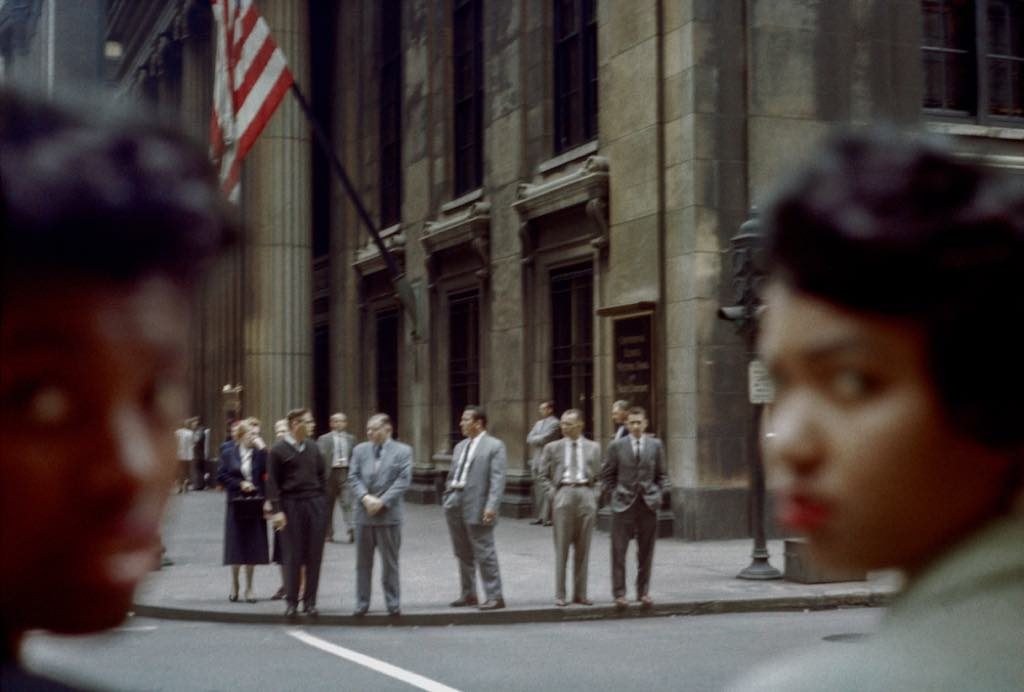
[(241, 472)]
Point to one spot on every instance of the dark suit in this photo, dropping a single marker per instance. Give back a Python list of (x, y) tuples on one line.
[(245, 529), (472, 540), (575, 508), (337, 478), (635, 486), (383, 530)]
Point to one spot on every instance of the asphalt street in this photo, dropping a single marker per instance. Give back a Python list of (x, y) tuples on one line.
[(671, 653)]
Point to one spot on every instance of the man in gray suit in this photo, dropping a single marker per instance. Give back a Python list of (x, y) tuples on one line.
[(570, 474), (620, 409), (634, 475), (379, 473), (336, 448), (545, 430), (472, 495)]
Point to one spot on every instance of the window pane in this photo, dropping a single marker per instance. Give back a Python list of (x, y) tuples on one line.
[(463, 357), (572, 366), (948, 55)]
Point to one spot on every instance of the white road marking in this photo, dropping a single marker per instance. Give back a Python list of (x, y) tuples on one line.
[(371, 663), (137, 628)]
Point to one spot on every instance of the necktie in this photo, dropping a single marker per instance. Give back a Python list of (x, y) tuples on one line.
[(636, 452), (574, 470), (376, 459), (460, 470)]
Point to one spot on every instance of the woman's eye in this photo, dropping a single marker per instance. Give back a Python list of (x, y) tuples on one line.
[(37, 403), (850, 384)]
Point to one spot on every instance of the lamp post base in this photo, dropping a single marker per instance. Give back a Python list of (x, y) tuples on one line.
[(760, 569)]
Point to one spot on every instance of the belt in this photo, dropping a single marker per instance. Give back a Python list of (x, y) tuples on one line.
[(574, 485)]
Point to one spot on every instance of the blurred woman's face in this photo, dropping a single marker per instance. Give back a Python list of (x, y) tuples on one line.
[(869, 469), (92, 383)]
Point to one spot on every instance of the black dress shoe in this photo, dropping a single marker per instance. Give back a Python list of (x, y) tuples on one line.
[(233, 597), (291, 612), (464, 601), (496, 604), (547, 523), (278, 595), (583, 601), (537, 522), (394, 613), (359, 612), (312, 612)]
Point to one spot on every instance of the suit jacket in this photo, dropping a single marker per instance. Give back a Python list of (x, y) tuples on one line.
[(553, 464), (229, 472), (389, 483), (326, 444), (485, 482), (624, 478), (544, 431)]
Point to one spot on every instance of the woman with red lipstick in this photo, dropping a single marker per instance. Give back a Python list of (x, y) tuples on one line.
[(105, 225), (898, 425)]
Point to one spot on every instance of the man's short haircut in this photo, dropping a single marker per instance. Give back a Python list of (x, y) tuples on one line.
[(294, 415), (477, 412), (338, 414), (550, 403), (380, 419), (282, 423), (620, 405), (637, 411), (111, 198), (573, 412), (900, 227), (253, 422)]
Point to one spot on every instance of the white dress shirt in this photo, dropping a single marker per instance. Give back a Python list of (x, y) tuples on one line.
[(573, 464), (460, 480)]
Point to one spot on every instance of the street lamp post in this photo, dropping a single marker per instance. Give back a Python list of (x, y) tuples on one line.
[(748, 274)]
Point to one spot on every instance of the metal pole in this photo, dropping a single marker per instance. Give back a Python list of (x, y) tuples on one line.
[(402, 286), (759, 568)]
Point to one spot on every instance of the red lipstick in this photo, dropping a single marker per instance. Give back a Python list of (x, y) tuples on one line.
[(803, 513)]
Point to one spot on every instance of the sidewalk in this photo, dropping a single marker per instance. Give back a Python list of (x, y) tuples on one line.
[(687, 578)]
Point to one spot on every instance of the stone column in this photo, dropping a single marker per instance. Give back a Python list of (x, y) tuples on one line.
[(278, 273)]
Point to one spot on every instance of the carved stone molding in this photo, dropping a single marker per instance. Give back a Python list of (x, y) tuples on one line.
[(585, 186), (368, 258), (471, 226)]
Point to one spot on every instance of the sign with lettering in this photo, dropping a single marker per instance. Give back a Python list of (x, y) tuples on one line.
[(759, 382), (634, 362)]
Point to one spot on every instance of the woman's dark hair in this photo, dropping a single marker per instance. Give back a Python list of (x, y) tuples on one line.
[(884, 223), (84, 194)]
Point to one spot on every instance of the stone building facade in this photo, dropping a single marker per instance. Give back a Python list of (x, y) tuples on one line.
[(559, 182)]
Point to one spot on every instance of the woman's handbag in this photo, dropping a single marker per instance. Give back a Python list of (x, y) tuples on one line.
[(248, 505)]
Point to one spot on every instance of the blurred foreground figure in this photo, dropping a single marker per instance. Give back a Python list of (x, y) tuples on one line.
[(899, 423), (104, 226)]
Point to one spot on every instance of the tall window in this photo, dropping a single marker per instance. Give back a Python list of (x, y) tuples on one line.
[(973, 52), (467, 52), (575, 73), (390, 65), (572, 343), (387, 365), (463, 356)]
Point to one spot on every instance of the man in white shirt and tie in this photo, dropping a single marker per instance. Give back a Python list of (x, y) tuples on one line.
[(570, 474), (336, 447), (471, 501), (634, 475)]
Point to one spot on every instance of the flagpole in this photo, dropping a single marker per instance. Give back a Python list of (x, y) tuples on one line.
[(398, 279)]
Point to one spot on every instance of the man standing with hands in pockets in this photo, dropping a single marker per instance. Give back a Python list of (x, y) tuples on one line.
[(336, 448), (570, 474), (472, 495)]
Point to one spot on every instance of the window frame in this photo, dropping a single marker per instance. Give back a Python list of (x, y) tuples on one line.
[(390, 77), (468, 142), (579, 92)]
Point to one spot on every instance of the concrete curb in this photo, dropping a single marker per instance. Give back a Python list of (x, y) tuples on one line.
[(510, 616)]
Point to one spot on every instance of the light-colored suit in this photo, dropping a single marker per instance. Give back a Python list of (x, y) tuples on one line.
[(382, 531), (544, 431), (337, 479), (575, 509), (635, 488), (472, 540)]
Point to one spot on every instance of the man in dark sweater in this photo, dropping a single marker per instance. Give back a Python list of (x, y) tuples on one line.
[(296, 482)]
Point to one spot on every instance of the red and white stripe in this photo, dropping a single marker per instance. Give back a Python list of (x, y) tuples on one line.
[(250, 81)]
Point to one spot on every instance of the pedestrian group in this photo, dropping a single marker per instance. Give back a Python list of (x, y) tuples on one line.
[(297, 482)]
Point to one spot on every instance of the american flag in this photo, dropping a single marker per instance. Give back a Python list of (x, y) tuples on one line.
[(250, 81)]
